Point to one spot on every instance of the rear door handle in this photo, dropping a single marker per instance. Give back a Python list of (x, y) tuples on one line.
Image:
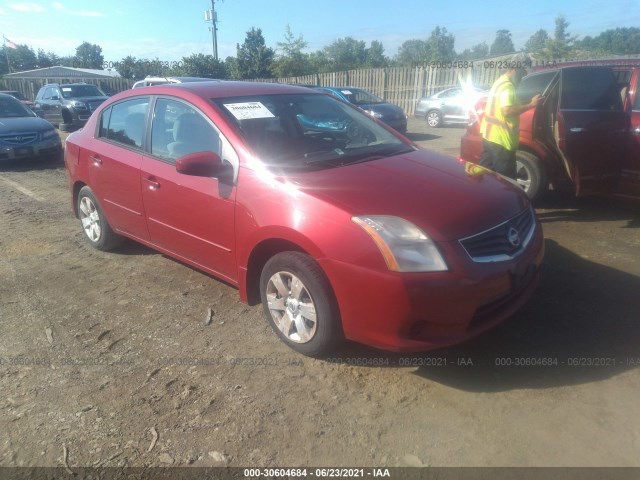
[(577, 129), (97, 161), (153, 184)]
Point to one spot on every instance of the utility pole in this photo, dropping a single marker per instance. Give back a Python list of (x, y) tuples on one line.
[(212, 16)]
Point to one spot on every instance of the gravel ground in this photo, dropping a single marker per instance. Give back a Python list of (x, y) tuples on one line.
[(108, 357)]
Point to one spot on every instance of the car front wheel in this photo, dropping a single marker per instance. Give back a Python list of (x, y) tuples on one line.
[(94, 224), (299, 303), (434, 118), (530, 174)]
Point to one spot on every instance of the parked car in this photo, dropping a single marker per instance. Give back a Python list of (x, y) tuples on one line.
[(386, 112), (584, 136), (150, 81), (68, 105), (340, 232), (15, 94), (453, 105), (24, 136)]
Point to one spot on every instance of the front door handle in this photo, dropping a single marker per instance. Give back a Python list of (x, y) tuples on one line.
[(153, 184)]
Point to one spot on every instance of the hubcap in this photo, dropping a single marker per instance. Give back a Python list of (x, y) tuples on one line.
[(291, 306), (90, 219), (433, 119), (522, 176)]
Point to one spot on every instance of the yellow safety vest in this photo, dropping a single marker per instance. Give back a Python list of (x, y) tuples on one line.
[(495, 127)]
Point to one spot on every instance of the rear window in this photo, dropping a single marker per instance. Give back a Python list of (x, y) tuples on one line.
[(590, 89)]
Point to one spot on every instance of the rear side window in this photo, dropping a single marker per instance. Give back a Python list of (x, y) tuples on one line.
[(636, 100), (590, 89), (124, 122), (534, 85)]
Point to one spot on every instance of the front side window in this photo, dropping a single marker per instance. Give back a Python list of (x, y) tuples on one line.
[(124, 122), (533, 85), (179, 129), (78, 91), (636, 89)]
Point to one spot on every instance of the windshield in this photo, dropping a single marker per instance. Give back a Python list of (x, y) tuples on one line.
[(10, 107), (360, 97), (76, 91), (17, 95), (309, 130)]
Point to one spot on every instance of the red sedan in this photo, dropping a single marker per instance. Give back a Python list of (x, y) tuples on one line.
[(340, 226)]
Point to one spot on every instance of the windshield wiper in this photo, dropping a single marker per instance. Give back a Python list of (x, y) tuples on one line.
[(377, 154), (324, 156)]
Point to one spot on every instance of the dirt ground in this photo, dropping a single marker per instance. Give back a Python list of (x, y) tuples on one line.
[(108, 357)]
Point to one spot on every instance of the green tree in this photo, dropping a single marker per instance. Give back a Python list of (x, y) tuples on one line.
[(88, 56), (375, 57), (20, 59), (478, 51), (232, 68), (290, 60), (254, 57), (319, 63), (560, 45), (200, 65), (440, 46), (618, 41), (346, 53), (412, 52), (502, 43), (536, 42), (47, 59)]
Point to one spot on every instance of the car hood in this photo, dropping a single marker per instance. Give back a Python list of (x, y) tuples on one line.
[(87, 99), (447, 198), (23, 124), (382, 108)]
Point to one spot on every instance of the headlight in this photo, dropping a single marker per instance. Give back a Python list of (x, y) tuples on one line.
[(404, 246), (78, 105), (49, 133), (374, 114)]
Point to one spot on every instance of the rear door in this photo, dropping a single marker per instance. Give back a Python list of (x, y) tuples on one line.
[(591, 128), (630, 174)]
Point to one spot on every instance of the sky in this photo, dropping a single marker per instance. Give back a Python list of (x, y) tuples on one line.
[(170, 30)]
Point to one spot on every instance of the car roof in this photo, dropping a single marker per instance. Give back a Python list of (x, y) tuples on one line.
[(221, 89)]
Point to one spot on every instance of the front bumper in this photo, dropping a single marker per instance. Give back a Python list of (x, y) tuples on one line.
[(422, 311), (50, 149)]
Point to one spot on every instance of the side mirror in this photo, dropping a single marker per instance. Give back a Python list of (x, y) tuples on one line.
[(202, 164)]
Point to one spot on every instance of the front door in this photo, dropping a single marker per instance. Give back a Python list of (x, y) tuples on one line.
[(190, 216)]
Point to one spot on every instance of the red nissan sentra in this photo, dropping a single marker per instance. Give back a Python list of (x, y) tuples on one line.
[(339, 225)]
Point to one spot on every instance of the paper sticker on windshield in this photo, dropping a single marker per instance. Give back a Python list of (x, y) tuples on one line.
[(66, 89), (248, 110), (346, 92)]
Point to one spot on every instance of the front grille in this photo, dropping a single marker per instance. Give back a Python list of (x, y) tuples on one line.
[(93, 105), (502, 242), (19, 139)]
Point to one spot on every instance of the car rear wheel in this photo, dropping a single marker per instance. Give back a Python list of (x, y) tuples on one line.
[(299, 303), (94, 224), (434, 118), (530, 174)]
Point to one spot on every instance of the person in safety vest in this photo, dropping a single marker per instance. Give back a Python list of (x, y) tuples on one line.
[(501, 121)]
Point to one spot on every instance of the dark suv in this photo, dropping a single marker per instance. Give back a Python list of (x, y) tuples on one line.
[(68, 105), (584, 136)]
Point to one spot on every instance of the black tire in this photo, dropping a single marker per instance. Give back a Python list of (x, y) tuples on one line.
[(531, 174), (97, 231), (434, 118), (314, 289)]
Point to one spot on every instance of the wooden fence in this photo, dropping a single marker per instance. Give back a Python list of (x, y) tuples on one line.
[(402, 86), (29, 87)]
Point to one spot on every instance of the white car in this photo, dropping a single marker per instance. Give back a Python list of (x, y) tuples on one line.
[(150, 81)]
